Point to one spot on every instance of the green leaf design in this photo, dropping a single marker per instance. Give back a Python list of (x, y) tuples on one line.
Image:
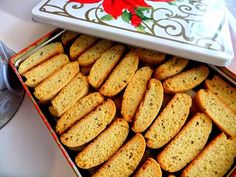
[(126, 16), (140, 28), (107, 17), (172, 3), (140, 14), (143, 8)]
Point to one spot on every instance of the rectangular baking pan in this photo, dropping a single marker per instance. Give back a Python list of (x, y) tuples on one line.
[(43, 111)]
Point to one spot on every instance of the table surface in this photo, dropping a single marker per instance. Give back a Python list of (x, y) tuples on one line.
[(26, 147)]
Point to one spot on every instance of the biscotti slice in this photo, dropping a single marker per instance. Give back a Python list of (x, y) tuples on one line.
[(48, 89), (150, 56), (149, 169), (134, 92), (187, 144), (90, 126), (215, 159), (68, 37), (81, 44), (42, 71), (149, 107), (89, 57), (77, 88), (217, 110), (126, 160), (103, 66), (78, 111), (170, 68), (169, 121), (104, 146), (223, 90), (40, 56), (121, 75), (186, 80)]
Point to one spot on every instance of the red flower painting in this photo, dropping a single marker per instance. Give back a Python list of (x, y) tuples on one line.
[(116, 8)]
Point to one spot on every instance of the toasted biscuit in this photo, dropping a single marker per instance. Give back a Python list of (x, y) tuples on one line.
[(104, 146), (48, 89), (121, 75), (149, 107), (175, 113), (78, 111), (104, 65), (90, 126), (89, 57), (134, 92), (170, 68), (81, 44), (149, 169), (40, 56), (187, 144), (36, 75), (77, 88), (126, 160), (186, 80), (217, 110), (215, 159)]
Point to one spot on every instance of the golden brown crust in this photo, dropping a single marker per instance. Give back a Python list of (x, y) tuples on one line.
[(78, 111), (175, 113), (121, 75), (104, 146), (48, 89), (40, 56), (223, 90), (134, 93), (126, 160), (90, 126), (170, 68), (150, 168), (215, 159), (81, 44), (186, 80), (149, 106), (187, 144), (217, 110)]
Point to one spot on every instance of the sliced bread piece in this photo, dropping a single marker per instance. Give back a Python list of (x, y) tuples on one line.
[(40, 56), (104, 146), (169, 121), (170, 68), (68, 37), (78, 111), (103, 66), (89, 57), (150, 56), (126, 160), (90, 126), (81, 44), (149, 169), (48, 89), (186, 80), (121, 75), (134, 93), (217, 110), (36, 75), (149, 107), (223, 90), (77, 88), (215, 159), (187, 144)]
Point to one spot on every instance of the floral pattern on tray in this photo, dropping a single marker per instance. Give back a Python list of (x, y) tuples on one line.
[(190, 22)]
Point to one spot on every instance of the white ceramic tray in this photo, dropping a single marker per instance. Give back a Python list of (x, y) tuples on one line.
[(193, 29)]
